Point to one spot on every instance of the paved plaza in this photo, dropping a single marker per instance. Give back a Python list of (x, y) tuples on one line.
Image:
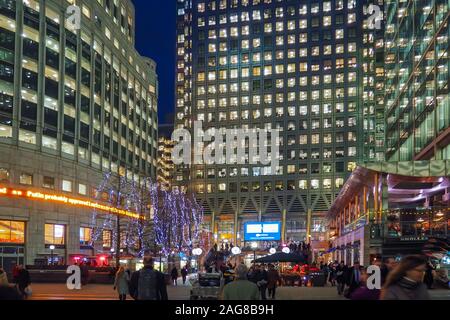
[(180, 292)]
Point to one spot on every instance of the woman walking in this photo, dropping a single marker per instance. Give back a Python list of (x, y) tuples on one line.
[(405, 282), (273, 277), (121, 283)]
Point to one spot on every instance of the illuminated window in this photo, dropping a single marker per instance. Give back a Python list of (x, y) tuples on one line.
[(55, 234), (12, 231), (4, 175), (67, 186), (85, 236), (315, 184), (82, 189), (26, 178)]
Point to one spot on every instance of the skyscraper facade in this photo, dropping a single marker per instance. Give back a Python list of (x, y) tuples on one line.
[(417, 93), (310, 69), (76, 101)]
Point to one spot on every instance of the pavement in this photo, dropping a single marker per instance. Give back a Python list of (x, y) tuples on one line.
[(182, 292)]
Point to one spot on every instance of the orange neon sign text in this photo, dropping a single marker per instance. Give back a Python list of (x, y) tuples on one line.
[(68, 200)]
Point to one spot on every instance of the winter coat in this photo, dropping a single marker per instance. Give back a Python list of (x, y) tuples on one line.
[(121, 283), (364, 293), (241, 290), (406, 289), (272, 277)]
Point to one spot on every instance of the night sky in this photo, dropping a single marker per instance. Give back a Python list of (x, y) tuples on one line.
[(155, 38)]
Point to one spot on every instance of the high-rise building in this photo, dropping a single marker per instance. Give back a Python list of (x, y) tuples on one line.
[(76, 102), (310, 69), (417, 92), (165, 167)]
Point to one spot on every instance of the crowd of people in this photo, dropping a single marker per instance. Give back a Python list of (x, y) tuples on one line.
[(408, 279), (20, 287)]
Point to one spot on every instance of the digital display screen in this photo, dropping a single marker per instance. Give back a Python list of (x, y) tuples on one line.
[(262, 231)]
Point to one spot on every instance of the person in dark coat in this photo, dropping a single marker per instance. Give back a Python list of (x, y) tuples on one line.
[(273, 278), (429, 279), (147, 283), (389, 264), (341, 274), (184, 273), (174, 275), (405, 282), (362, 292), (261, 282), (23, 281), (353, 278)]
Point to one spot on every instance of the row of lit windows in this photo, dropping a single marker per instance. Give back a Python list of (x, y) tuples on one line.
[(314, 8), (327, 167), (313, 184), (245, 58), (268, 113), (277, 26), (315, 109), (54, 234), (256, 43)]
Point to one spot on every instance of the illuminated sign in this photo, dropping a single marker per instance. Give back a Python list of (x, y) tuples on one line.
[(67, 200), (262, 231)]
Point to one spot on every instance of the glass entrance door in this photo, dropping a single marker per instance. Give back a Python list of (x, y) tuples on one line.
[(10, 256)]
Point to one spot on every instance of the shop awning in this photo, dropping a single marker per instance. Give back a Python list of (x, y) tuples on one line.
[(282, 257)]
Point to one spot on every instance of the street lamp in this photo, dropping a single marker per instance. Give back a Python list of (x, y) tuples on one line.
[(52, 247), (254, 246), (197, 252), (286, 250), (272, 250), (235, 250)]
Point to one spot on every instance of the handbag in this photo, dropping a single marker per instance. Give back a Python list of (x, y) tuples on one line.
[(28, 291)]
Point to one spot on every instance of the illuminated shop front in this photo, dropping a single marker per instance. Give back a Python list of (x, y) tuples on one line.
[(390, 209)]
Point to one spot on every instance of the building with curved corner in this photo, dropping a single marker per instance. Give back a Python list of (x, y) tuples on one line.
[(76, 102)]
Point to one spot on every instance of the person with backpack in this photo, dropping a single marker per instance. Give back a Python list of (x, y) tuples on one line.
[(147, 283)]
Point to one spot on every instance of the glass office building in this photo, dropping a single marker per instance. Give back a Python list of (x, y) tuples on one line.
[(311, 69), (417, 74), (74, 103)]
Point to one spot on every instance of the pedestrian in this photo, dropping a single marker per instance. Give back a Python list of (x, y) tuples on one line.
[(341, 273), (353, 278), (121, 283), (174, 275), (429, 278), (405, 282), (3, 278), (184, 273), (262, 281), (332, 274), (23, 282), (241, 288), (362, 292), (15, 273), (273, 278), (147, 283), (388, 264)]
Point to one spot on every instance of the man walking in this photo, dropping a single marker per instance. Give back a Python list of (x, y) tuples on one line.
[(241, 288), (147, 283)]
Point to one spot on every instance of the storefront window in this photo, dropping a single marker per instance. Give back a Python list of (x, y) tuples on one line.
[(107, 242), (12, 231), (85, 236), (54, 234)]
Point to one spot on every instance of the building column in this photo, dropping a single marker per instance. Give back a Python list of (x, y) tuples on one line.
[(308, 226), (283, 227)]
